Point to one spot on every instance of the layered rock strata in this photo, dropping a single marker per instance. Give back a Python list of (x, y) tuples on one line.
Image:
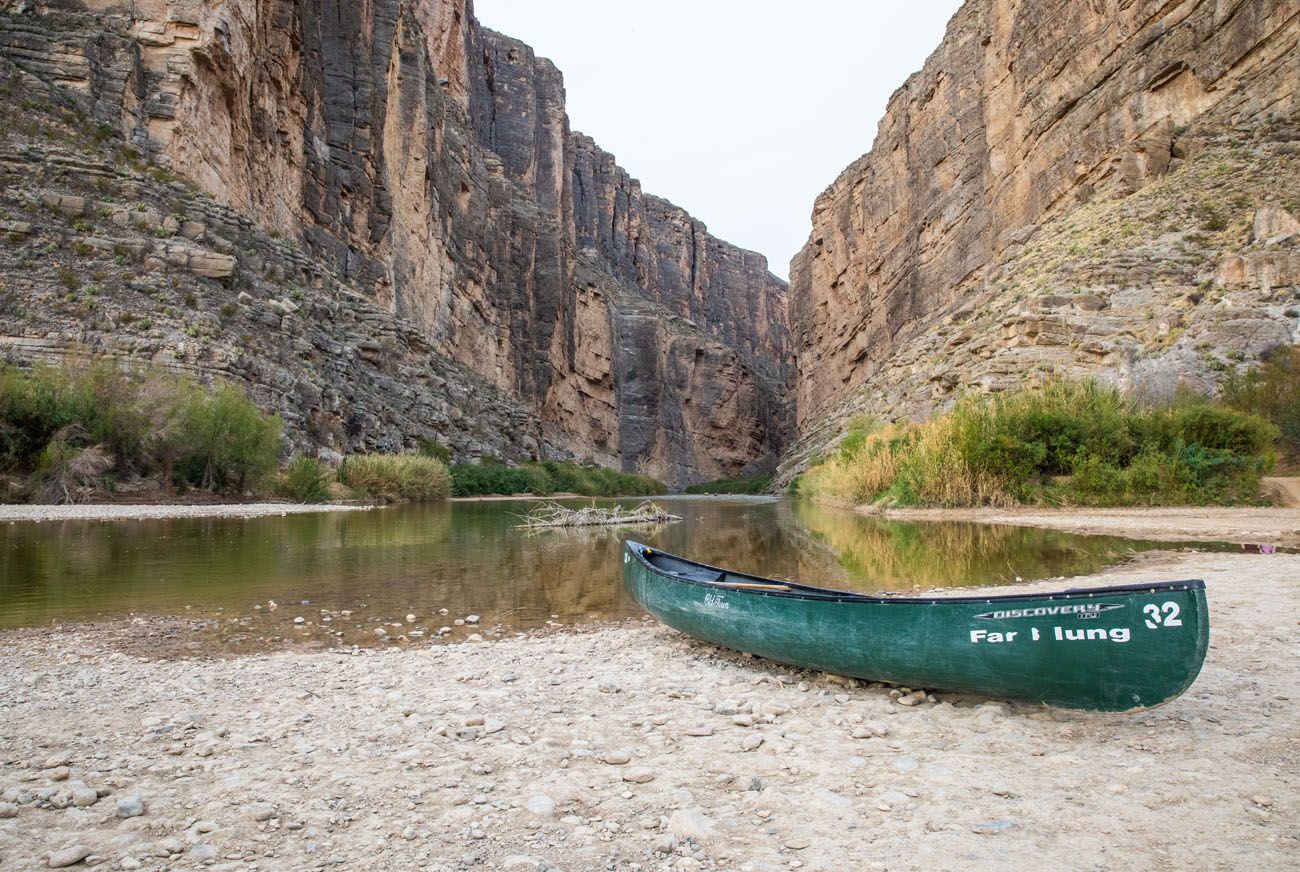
[(1063, 188), (429, 164)]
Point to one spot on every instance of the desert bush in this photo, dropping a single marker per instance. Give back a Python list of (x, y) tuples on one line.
[(226, 443), (1272, 391), (1073, 442), (75, 427), (755, 484), (393, 477), (305, 480), (549, 477)]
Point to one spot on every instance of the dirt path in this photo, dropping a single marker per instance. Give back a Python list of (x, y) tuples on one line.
[(1203, 524), (635, 748)]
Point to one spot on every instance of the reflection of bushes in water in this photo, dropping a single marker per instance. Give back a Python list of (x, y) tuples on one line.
[(892, 554)]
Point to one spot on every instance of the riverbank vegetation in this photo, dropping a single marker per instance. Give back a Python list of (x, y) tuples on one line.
[(1067, 443), (549, 477), (71, 431), (754, 484), (396, 477), (1272, 391)]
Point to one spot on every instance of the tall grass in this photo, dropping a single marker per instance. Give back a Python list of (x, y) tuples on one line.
[(1069, 442), (394, 477)]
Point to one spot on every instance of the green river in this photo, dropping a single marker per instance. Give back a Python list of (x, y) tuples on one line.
[(347, 574)]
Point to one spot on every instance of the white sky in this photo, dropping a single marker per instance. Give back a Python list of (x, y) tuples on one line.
[(740, 112)]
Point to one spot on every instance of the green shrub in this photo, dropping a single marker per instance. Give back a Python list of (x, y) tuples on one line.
[(393, 477), (305, 480), (227, 444), (1271, 391), (1017, 448), (757, 484), (434, 447), (548, 477), (91, 420)]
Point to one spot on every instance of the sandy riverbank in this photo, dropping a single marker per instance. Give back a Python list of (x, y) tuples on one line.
[(1185, 524), (119, 512), (591, 750)]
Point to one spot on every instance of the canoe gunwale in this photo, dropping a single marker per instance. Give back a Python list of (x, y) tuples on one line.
[(821, 594)]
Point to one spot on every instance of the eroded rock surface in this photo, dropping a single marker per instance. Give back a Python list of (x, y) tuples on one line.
[(429, 164), (1081, 188)]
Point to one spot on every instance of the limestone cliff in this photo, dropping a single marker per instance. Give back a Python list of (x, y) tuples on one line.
[(429, 164), (1065, 187)]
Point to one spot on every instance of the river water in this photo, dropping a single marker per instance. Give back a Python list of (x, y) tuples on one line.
[(348, 574)]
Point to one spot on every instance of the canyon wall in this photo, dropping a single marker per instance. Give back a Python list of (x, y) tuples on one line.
[(1007, 222), (430, 165)]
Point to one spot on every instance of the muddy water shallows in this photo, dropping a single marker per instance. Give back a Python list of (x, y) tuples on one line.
[(338, 578)]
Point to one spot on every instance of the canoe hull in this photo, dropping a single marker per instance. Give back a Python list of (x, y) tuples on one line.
[(1106, 649)]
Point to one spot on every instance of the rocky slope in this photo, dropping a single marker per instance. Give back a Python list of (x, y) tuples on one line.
[(428, 164), (1081, 188)]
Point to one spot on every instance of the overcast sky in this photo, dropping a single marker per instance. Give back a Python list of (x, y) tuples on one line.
[(740, 112)]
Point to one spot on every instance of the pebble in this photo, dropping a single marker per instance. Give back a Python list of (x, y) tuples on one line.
[(130, 806), (665, 843), (59, 773), (617, 758), (410, 618), (916, 697), (261, 811), (84, 797), (202, 852), (493, 726), (68, 856), (639, 774), (993, 827), (472, 619), (54, 761), (300, 620), (752, 742), (906, 763), (703, 730), (8, 810), (691, 823), (798, 844), (541, 805), (832, 799)]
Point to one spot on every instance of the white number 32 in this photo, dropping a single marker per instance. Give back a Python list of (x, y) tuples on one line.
[(1166, 615)]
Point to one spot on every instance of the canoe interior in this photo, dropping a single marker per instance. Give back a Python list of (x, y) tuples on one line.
[(1111, 648)]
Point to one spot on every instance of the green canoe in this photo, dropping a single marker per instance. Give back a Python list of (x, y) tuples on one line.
[(1103, 649)]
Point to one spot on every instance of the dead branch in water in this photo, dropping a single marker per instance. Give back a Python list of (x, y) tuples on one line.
[(552, 514)]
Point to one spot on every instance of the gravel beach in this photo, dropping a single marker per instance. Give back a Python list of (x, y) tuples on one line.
[(121, 512), (633, 747)]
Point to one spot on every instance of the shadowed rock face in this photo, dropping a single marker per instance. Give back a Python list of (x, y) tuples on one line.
[(1029, 113), (430, 163)]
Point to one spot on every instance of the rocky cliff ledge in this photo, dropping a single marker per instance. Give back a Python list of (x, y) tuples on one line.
[(428, 164), (1065, 187)]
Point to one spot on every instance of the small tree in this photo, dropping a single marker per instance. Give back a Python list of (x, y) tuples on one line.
[(229, 444)]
